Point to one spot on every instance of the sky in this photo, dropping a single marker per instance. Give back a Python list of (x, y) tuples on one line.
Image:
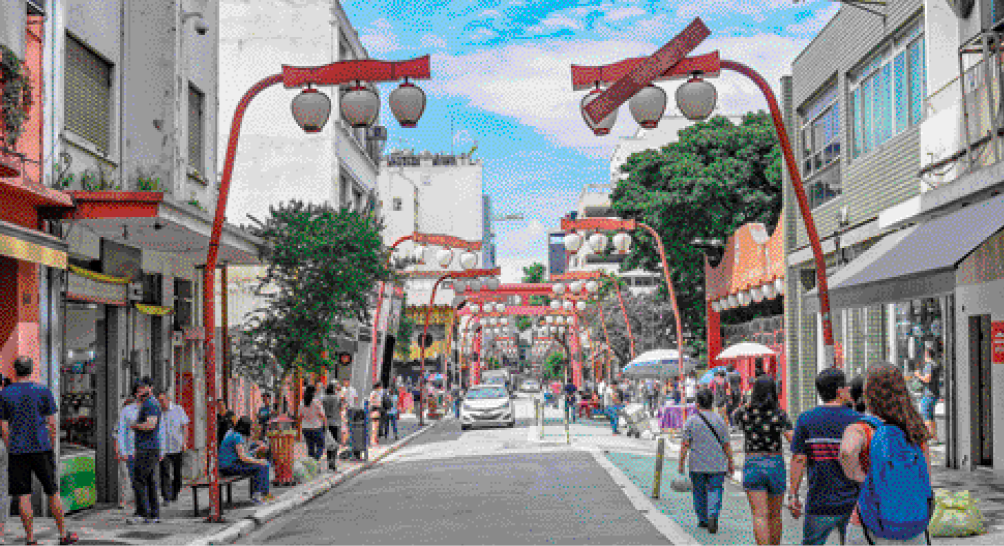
[(501, 79)]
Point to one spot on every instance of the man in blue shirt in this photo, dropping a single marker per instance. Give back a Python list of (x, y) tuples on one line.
[(28, 422), (832, 496), (146, 461)]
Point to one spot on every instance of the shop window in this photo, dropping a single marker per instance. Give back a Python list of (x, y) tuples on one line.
[(821, 146), (87, 94), (196, 116), (182, 304)]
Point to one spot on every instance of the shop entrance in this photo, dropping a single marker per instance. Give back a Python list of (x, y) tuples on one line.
[(981, 393)]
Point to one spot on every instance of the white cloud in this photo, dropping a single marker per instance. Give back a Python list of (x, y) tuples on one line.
[(619, 14), (512, 268), (433, 41), (552, 23), (756, 9), (380, 38)]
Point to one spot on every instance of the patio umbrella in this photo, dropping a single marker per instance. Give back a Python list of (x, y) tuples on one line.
[(745, 349), (658, 362)]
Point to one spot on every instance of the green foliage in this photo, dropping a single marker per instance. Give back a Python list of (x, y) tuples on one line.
[(533, 273), (99, 180), (15, 95), (716, 178), (405, 331), (321, 273), (554, 366), (195, 203), (148, 183)]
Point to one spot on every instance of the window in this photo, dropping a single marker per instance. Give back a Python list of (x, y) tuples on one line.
[(887, 95), (196, 151), (87, 94), (820, 136), (397, 203)]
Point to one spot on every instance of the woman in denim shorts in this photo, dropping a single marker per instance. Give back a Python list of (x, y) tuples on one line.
[(763, 422)]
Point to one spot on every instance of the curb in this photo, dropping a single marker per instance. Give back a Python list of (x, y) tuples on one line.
[(298, 498)]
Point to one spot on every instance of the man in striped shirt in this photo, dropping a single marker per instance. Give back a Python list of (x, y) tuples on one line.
[(172, 441), (831, 495)]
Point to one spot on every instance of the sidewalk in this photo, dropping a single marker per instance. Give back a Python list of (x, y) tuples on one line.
[(107, 524)]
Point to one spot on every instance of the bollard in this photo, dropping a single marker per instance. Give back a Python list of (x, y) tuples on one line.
[(659, 454), (568, 435), (543, 416)]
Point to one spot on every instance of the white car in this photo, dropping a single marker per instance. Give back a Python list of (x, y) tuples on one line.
[(487, 405)]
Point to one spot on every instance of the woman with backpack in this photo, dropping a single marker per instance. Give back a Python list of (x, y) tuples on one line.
[(763, 423), (887, 451)]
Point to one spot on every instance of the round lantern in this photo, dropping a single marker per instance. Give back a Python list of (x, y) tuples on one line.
[(569, 306), (724, 304), (580, 305), (779, 286), (733, 301), (696, 98), (598, 242), (459, 286), (592, 287), (555, 304), (492, 283), (622, 242), (517, 300), (474, 285), (468, 260), (311, 110), (407, 103), (607, 123), (360, 106), (648, 105), (500, 307), (444, 257), (744, 298), (768, 290), (419, 254), (549, 319), (558, 288), (573, 242), (757, 294), (575, 287)]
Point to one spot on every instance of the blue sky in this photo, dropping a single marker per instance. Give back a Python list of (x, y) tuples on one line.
[(501, 77)]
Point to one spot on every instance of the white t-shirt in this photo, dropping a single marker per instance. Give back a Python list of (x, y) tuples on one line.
[(690, 387)]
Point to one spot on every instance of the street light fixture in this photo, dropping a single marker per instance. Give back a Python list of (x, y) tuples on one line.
[(648, 106), (360, 106), (444, 257), (407, 103), (311, 110), (696, 98), (598, 242), (603, 127), (622, 242), (573, 242), (468, 260)]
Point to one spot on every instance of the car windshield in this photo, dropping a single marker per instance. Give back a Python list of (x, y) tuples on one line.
[(493, 392)]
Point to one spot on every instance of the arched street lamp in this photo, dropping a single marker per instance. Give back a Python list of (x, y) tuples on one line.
[(696, 98), (603, 127), (311, 110)]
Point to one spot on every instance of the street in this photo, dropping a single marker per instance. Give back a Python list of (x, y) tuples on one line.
[(485, 486)]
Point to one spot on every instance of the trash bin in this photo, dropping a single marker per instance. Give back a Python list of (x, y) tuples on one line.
[(281, 438), (358, 434)]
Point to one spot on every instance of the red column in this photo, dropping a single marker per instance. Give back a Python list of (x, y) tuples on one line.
[(714, 333), (475, 375)]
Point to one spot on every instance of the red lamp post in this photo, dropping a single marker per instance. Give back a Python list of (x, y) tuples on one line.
[(310, 110), (696, 99)]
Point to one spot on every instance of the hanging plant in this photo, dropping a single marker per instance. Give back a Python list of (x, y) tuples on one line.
[(15, 98)]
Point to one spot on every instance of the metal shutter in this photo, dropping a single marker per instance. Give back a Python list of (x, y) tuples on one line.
[(87, 94), (196, 154)]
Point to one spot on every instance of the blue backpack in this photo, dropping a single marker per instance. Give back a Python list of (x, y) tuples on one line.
[(896, 499)]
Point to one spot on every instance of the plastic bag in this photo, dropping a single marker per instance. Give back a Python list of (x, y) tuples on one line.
[(955, 515), (681, 484), (300, 472), (312, 468)]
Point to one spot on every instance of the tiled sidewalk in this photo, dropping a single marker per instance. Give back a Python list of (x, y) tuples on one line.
[(107, 524)]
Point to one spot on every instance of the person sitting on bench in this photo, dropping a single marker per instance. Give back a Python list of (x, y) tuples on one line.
[(236, 459)]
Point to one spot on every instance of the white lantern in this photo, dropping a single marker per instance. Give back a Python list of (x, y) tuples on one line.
[(592, 287), (492, 283), (607, 123), (756, 293), (779, 286), (444, 257), (715, 307), (500, 307), (569, 306), (598, 242), (311, 110), (558, 288), (743, 297), (733, 301), (493, 321), (459, 286), (768, 291), (549, 319), (580, 305), (648, 105), (419, 254), (407, 103), (555, 304), (517, 300), (622, 242), (573, 242), (468, 260), (575, 287), (696, 98), (474, 285), (360, 106)]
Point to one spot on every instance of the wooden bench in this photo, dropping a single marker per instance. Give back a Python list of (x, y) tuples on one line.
[(225, 481)]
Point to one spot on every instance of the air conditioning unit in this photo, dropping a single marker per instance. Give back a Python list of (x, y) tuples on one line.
[(976, 16), (177, 338)]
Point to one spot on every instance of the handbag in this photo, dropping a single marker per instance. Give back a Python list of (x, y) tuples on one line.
[(721, 444)]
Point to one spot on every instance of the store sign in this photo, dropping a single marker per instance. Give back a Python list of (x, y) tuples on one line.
[(997, 342), (82, 288)]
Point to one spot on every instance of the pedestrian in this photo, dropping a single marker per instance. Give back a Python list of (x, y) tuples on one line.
[(313, 422), (350, 397), (238, 458), (857, 394), (616, 403), (148, 453), (705, 441), (690, 387), (332, 403), (4, 469), (457, 399), (607, 396), (831, 496), (763, 423), (29, 427), (893, 434), (570, 401), (720, 389), (393, 413), (386, 405), (735, 381), (125, 449), (224, 422), (930, 377), (264, 413), (375, 401), (172, 438)]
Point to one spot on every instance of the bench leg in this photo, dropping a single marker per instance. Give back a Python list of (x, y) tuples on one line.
[(195, 501), (230, 494)]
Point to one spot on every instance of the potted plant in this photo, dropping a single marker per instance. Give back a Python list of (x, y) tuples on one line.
[(15, 95)]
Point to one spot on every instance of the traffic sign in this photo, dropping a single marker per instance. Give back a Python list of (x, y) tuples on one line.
[(647, 71)]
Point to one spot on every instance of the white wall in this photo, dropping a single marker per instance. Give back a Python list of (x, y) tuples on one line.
[(939, 133), (12, 25)]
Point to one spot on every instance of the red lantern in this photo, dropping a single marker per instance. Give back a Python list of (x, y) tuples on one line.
[(311, 109), (360, 106), (407, 103)]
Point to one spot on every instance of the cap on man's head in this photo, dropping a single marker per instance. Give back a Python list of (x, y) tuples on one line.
[(137, 385)]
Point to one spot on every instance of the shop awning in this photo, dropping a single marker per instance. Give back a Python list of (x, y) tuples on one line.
[(31, 245), (916, 262)]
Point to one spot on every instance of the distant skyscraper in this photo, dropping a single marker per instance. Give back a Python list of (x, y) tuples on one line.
[(488, 242), (556, 253)]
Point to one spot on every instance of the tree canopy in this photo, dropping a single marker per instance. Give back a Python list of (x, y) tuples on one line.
[(533, 273), (715, 178), (321, 273)]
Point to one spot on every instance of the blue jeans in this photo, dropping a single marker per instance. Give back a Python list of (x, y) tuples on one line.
[(816, 529), (146, 464), (764, 473), (927, 404), (456, 407), (315, 442), (613, 412), (708, 491), (258, 473), (570, 410)]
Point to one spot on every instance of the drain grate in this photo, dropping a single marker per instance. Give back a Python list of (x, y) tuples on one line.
[(144, 535)]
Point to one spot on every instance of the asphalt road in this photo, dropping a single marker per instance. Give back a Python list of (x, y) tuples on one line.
[(453, 487)]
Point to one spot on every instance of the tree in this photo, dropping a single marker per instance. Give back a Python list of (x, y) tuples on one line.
[(715, 178), (321, 272), (554, 365), (405, 330), (533, 273)]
